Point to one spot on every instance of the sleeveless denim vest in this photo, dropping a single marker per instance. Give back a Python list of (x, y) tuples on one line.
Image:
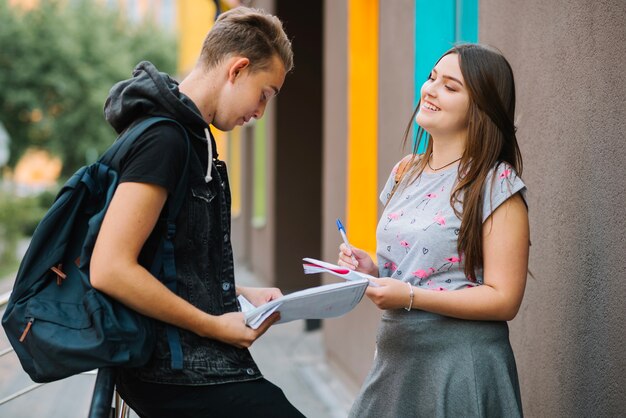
[(205, 274)]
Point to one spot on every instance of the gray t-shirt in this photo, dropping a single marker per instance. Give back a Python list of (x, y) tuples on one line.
[(418, 231)]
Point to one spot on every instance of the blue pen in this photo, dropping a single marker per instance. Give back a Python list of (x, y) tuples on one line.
[(342, 231)]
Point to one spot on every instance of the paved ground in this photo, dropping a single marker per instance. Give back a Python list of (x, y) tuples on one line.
[(287, 355), (294, 359)]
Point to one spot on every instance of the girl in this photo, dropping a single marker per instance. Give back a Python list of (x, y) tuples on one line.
[(454, 265)]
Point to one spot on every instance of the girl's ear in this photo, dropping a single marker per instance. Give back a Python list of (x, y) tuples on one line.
[(236, 67)]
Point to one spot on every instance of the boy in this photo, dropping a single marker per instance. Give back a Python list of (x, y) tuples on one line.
[(243, 64)]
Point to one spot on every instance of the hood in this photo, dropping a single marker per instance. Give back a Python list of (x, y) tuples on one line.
[(151, 93)]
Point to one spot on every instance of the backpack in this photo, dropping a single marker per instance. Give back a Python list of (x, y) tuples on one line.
[(58, 324)]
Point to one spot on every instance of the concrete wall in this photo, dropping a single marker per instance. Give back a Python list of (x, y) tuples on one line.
[(298, 166), (568, 58), (256, 244), (342, 341), (292, 229), (350, 339)]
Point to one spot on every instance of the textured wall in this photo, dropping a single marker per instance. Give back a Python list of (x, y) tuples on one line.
[(569, 336), (262, 240), (395, 83), (350, 339), (341, 339), (298, 158)]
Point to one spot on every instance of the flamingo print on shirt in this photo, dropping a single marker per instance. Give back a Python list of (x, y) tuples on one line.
[(438, 219), (505, 178), (391, 266), (426, 200), (423, 275), (450, 261), (394, 216), (405, 244)]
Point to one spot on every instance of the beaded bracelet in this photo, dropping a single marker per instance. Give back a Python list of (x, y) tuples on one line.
[(410, 296)]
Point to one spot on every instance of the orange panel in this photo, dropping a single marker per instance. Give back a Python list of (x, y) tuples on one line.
[(362, 187)]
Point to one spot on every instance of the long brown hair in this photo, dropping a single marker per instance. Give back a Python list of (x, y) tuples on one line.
[(491, 140)]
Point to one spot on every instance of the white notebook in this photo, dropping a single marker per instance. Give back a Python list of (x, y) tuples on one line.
[(327, 301)]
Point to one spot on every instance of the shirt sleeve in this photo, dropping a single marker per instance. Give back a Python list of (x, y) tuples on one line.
[(157, 157), (501, 183)]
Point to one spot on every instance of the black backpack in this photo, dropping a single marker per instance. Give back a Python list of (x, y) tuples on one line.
[(58, 324)]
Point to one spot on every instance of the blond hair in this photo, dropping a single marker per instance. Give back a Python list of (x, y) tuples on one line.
[(251, 33)]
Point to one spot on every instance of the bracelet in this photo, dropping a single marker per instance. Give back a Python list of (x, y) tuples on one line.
[(410, 296)]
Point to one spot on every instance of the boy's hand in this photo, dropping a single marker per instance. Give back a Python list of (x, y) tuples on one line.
[(231, 328), (259, 295)]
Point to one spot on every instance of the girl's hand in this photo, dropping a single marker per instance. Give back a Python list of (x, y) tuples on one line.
[(364, 262), (259, 295), (390, 294), (231, 328)]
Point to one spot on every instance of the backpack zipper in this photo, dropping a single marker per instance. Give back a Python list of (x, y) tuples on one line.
[(28, 325), (60, 275)]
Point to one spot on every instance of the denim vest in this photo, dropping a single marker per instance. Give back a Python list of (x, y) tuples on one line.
[(205, 278)]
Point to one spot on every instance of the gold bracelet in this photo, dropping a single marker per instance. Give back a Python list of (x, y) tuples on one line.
[(410, 296)]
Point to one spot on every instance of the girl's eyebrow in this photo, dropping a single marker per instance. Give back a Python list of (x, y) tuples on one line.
[(449, 77)]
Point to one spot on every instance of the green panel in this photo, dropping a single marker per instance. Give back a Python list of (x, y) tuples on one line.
[(259, 180)]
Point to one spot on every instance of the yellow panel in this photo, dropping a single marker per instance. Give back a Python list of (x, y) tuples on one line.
[(235, 170), (361, 205), (194, 19), (220, 142)]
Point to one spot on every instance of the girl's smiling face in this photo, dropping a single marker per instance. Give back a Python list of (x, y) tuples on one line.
[(444, 99)]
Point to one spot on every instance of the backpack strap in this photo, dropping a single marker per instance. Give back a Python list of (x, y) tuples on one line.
[(402, 167), (164, 263), (127, 138)]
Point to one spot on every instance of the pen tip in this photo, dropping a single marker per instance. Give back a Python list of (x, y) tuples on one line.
[(339, 225)]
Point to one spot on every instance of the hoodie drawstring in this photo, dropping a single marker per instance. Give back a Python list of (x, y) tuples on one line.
[(208, 177)]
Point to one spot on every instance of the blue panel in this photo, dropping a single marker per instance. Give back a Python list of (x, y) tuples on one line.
[(438, 26), (435, 27), (467, 20)]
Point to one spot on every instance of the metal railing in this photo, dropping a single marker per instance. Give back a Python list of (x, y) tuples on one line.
[(103, 391)]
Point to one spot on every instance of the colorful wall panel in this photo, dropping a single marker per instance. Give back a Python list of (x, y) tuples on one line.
[(438, 26), (362, 187), (259, 174), (235, 169), (194, 19)]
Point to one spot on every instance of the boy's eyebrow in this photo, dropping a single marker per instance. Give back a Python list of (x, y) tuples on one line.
[(449, 77), (276, 91)]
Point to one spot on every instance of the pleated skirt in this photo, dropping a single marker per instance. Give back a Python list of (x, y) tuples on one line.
[(428, 365)]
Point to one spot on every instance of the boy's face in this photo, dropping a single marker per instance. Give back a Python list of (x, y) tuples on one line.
[(246, 93)]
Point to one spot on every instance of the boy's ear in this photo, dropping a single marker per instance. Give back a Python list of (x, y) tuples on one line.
[(237, 65)]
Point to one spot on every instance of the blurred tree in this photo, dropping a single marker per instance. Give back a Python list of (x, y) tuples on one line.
[(57, 64)]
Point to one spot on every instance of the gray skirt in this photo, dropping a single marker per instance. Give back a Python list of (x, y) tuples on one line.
[(428, 365)]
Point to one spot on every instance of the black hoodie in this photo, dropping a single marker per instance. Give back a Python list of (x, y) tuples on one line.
[(152, 93)]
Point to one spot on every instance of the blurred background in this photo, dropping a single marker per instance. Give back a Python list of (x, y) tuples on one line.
[(326, 147)]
